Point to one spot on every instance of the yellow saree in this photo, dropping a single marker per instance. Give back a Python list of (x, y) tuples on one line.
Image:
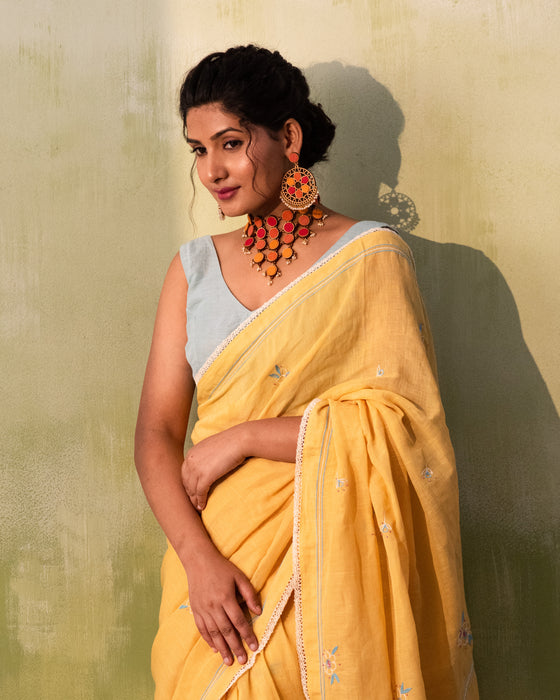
[(355, 551)]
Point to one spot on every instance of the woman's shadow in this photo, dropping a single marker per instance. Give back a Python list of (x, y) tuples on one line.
[(503, 423)]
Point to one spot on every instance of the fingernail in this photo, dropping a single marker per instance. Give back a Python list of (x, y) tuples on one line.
[(241, 659), (253, 646), (227, 660), (259, 610)]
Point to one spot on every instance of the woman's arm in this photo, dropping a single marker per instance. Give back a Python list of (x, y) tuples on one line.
[(217, 455), (160, 434)]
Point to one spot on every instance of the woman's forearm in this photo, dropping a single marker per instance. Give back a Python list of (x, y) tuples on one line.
[(158, 460), (270, 438)]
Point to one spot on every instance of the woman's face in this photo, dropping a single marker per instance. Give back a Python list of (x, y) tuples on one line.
[(242, 170)]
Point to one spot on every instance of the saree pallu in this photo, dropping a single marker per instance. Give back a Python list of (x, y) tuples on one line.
[(355, 550)]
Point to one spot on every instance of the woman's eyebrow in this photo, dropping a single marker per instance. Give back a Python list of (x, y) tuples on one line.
[(217, 135)]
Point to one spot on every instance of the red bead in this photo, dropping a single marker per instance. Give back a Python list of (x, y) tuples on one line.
[(261, 233), (271, 221), (248, 242), (291, 190), (288, 227), (303, 232), (304, 180)]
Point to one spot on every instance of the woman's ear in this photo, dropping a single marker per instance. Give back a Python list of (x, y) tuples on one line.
[(292, 136)]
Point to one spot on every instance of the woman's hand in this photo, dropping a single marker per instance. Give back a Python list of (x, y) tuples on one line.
[(209, 460), (215, 588)]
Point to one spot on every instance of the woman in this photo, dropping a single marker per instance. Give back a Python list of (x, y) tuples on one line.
[(313, 527)]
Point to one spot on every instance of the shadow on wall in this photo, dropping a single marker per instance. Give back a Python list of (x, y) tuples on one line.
[(503, 423)]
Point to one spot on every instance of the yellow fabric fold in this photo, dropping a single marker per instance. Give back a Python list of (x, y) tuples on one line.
[(362, 536)]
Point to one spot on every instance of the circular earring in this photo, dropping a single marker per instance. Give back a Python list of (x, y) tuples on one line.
[(299, 189)]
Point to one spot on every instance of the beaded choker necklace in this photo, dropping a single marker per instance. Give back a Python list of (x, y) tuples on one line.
[(271, 239)]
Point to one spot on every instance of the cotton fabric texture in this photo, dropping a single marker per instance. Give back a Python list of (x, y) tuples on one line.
[(356, 550)]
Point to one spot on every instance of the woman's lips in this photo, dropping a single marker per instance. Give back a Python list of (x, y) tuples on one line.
[(226, 192)]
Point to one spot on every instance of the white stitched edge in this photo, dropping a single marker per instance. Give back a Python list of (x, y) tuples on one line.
[(223, 345), (468, 681), (269, 629), (295, 547)]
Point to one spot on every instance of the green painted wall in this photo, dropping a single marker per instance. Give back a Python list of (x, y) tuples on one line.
[(454, 103)]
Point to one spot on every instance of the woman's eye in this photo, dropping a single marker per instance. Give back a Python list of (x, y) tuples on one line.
[(198, 150), (233, 143)]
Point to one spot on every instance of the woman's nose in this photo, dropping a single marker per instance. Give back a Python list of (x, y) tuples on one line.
[(215, 167)]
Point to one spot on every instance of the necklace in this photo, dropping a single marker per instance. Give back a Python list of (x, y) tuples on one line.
[(271, 239)]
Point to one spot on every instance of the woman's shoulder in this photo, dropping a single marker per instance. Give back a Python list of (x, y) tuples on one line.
[(196, 256), (379, 233)]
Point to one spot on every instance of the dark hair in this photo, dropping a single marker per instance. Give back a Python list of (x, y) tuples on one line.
[(262, 88)]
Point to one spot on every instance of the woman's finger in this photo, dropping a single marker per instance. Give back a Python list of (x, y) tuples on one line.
[(229, 633), (248, 593), (201, 496), (218, 642), (201, 625), (242, 626)]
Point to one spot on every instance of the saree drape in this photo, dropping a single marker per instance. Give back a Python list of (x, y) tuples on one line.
[(355, 550)]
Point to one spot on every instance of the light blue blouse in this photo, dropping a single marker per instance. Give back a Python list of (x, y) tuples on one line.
[(213, 312)]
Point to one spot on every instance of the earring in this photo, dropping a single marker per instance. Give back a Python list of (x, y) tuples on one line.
[(299, 189), (221, 215)]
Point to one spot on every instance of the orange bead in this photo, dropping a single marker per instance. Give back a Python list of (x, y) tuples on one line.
[(273, 233), (258, 222), (271, 271), (261, 244), (287, 214), (291, 181), (287, 253), (287, 238), (297, 176), (273, 244), (317, 214), (259, 257), (272, 256), (305, 188), (293, 157), (303, 220)]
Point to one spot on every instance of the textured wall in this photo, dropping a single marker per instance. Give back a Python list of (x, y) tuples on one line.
[(453, 103)]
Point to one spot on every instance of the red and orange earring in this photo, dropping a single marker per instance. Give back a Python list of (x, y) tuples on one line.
[(299, 189)]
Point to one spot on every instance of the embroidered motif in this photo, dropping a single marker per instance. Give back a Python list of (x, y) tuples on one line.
[(380, 372), (186, 606), (385, 528), (279, 374), (464, 638), (341, 484), (330, 664), (402, 692), (427, 473)]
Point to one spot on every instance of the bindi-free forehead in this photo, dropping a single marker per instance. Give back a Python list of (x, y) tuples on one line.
[(210, 122)]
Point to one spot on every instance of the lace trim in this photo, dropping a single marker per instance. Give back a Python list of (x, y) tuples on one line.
[(295, 546), (257, 312), (276, 613)]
